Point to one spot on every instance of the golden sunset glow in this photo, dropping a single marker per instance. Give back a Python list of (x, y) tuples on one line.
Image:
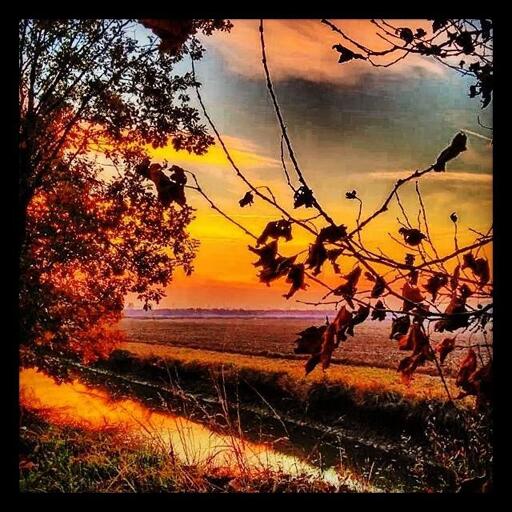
[(342, 143)]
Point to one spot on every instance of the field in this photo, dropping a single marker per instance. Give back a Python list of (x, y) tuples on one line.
[(370, 346)]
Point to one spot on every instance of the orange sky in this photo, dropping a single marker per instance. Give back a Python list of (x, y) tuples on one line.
[(351, 127)]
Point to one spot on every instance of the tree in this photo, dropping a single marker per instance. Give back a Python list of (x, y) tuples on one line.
[(93, 96)]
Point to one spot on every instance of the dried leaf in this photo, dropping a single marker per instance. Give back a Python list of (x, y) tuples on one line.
[(454, 280), (248, 199), (417, 341), (411, 236), (409, 259), (467, 367), (457, 146), (332, 256), (435, 283), (479, 267), (169, 189), (267, 254), (379, 311), (296, 277), (316, 257), (332, 234), (439, 23), (465, 41), (361, 315), (303, 197), (412, 296), (346, 54), (408, 365), (279, 268), (406, 35), (343, 324), (348, 289), (413, 277), (444, 348), (310, 340), (399, 326), (379, 287), (276, 229), (454, 319), (312, 362), (328, 345)]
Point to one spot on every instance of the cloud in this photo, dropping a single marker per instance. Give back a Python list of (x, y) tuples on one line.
[(453, 176), (303, 49), (244, 152)]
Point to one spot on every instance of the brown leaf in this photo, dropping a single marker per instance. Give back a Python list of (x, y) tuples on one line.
[(379, 287), (412, 236), (412, 296), (348, 289), (303, 197), (409, 259), (454, 280), (248, 199), (296, 277), (312, 362), (457, 146), (479, 267), (453, 319), (310, 340), (266, 253), (444, 348), (399, 326), (276, 229), (332, 234), (279, 268), (379, 311), (169, 189), (346, 54), (333, 255), (328, 345), (316, 257), (435, 283), (467, 367), (361, 315), (342, 323)]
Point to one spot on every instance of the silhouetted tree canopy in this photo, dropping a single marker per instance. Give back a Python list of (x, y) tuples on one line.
[(93, 96)]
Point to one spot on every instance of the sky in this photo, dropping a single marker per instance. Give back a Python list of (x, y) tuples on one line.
[(352, 126)]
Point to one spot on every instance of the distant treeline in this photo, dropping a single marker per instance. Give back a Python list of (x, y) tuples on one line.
[(224, 313)]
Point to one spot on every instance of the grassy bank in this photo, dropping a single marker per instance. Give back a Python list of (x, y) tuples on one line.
[(57, 458), (363, 380), (360, 397)]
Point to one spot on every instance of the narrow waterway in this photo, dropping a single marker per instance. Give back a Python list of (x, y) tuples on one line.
[(76, 404)]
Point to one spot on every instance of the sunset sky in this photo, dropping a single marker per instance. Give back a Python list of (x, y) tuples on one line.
[(352, 127)]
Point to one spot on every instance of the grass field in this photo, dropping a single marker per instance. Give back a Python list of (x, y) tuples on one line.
[(361, 379)]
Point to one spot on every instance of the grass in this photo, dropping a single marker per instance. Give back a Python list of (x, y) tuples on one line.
[(362, 380), (56, 458)]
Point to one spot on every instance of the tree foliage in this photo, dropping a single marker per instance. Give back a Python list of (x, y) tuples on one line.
[(465, 45), (94, 95)]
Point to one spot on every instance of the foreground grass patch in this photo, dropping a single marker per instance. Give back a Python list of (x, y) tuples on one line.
[(56, 458)]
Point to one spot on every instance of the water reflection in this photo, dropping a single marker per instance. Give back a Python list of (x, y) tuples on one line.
[(75, 404)]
